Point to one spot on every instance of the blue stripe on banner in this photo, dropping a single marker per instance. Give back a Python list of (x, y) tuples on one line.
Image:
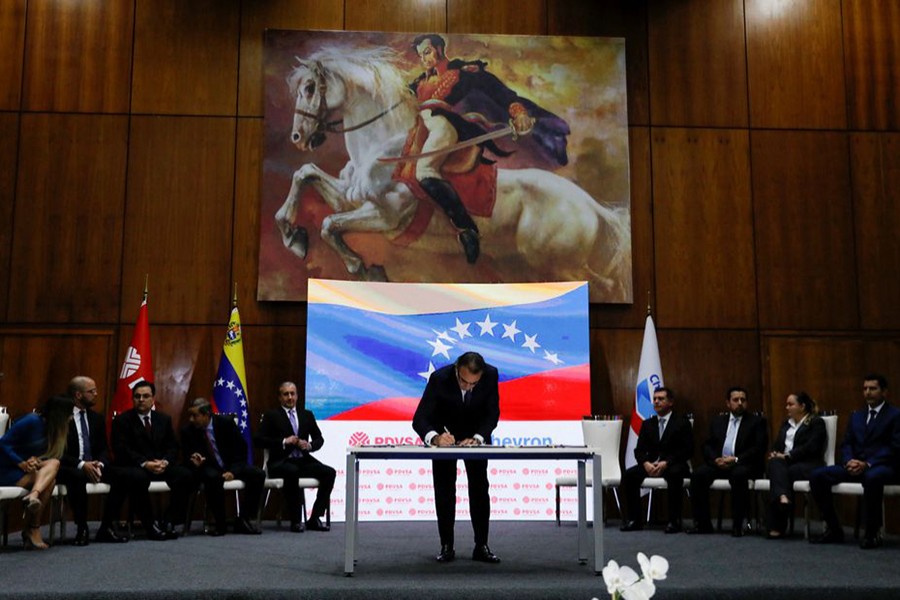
[(356, 356)]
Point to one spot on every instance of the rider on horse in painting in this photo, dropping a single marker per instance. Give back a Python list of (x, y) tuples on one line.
[(460, 100)]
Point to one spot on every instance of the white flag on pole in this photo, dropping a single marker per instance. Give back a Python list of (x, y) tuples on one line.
[(649, 378)]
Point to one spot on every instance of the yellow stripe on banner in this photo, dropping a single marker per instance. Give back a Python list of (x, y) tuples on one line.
[(431, 298), (234, 348)]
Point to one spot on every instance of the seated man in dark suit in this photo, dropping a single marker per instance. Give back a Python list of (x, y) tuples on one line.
[(216, 452), (664, 447), (291, 434), (735, 450), (86, 460), (146, 449), (869, 454)]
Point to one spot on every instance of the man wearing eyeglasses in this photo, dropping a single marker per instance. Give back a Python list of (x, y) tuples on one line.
[(460, 407)]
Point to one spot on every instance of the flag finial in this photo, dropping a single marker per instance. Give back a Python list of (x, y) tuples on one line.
[(649, 311), (146, 284), (234, 299)]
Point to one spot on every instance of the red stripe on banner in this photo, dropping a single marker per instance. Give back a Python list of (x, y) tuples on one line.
[(560, 395)]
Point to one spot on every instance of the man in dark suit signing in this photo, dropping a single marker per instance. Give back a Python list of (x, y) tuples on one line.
[(869, 454), (145, 447), (216, 452), (460, 407), (735, 450), (86, 460), (665, 444), (291, 435)]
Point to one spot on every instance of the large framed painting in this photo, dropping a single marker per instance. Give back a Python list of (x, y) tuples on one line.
[(448, 158)]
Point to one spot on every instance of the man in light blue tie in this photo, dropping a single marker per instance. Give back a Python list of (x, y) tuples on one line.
[(735, 450), (291, 434)]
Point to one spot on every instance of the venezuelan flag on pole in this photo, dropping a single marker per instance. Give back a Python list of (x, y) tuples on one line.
[(649, 379), (230, 387), (137, 366)]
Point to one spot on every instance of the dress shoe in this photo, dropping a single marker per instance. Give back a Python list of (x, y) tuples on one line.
[(631, 526), (829, 537), (106, 535), (701, 529), (246, 527), (216, 531), (316, 525), (447, 554), (297, 527), (737, 532), (673, 527), (482, 553), (82, 537), (870, 542), (156, 534), (171, 532)]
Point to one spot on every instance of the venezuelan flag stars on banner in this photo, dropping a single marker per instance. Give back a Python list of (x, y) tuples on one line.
[(229, 389), (444, 342)]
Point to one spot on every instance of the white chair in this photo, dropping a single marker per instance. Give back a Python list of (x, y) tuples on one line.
[(658, 483), (277, 483), (7, 493), (606, 437)]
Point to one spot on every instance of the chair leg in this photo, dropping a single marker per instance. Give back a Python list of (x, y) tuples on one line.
[(649, 505), (557, 506)]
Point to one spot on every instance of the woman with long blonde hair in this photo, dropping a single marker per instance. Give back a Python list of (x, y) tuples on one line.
[(29, 458)]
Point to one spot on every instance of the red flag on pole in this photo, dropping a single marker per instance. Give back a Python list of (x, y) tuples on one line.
[(137, 366)]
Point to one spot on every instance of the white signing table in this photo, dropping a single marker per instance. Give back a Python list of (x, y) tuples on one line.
[(578, 453)]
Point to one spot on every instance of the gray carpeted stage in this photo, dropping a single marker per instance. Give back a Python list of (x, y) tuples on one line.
[(395, 561)]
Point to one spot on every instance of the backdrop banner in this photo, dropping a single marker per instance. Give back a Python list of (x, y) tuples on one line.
[(372, 346)]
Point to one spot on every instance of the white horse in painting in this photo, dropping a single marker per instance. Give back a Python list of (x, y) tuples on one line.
[(543, 226)]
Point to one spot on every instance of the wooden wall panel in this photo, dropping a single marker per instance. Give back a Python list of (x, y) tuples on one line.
[(67, 245), (78, 56), (806, 273), (273, 355), (615, 18), (703, 229), (12, 45), (875, 165), (795, 60), (178, 223), (248, 225), (423, 16), (186, 57), (9, 141), (520, 17), (256, 17), (831, 369), (615, 355), (633, 315), (871, 59), (698, 73), (39, 363)]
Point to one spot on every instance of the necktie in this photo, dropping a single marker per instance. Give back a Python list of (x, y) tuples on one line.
[(85, 438), (662, 427), (728, 449), (147, 424), (467, 397), (213, 448), (295, 453), (872, 414)]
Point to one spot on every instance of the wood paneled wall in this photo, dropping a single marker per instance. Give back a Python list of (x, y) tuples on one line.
[(764, 165)]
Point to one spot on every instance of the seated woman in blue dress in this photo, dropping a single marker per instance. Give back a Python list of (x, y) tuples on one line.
[(799, 448), (29, 458)]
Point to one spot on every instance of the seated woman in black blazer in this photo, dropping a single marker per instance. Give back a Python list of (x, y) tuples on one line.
[(799, 448)]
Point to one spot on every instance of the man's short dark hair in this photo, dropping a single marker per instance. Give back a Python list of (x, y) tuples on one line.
[(202, 405), (670, 395), (144, 383), (473, 361), (436, 41), (733, 389), (881, 379)]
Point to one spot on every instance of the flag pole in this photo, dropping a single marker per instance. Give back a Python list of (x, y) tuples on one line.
[(648, 303), (234, 299), (146, 283)]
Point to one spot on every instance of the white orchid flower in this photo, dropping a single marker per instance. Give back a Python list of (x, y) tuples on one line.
[(654, 568), (618, 578), (642, 589)]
